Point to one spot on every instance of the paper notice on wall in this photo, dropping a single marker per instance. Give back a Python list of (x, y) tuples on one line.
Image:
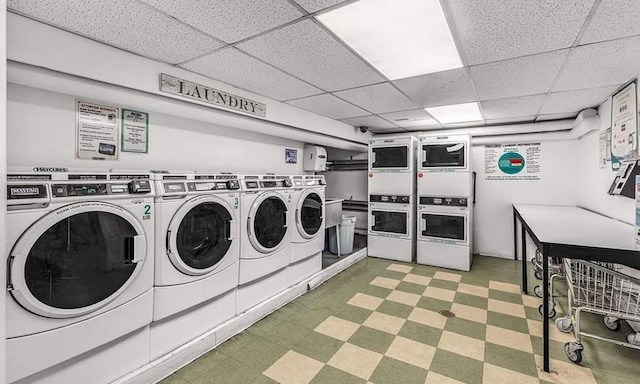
[(604, 152), (97, 131), (135, 131), (624, 133), (519, 162), (637, 211)]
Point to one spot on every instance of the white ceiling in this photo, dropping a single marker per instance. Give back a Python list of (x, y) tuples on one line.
[(524, 60)]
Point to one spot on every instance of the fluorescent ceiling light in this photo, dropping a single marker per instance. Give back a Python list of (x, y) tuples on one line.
[(457, 113), (400, 38)]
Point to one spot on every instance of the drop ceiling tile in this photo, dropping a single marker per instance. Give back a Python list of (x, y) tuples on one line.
[(575, 101), (557, 116), (129, 25), (378, 98), (441, 88), (511, 120), (330, 106), (412, 118), (388, 130), (492, 30), (373, 122), (312, 6), (470, 124), (243, 71), (307, 51), (511, 107), (527, 75), (601, 64), (612, 20), (230, 20)]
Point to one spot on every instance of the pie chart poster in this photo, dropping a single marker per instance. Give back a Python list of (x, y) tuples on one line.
[(519, 162)]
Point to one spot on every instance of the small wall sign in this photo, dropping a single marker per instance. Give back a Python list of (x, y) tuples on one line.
[(291, 156), (96, 131), (135, 131)]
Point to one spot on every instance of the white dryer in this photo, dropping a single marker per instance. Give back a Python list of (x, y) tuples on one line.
[(80, 271), (392, 165), (391, 231), (265, 238), (443, 166), (197, 255), (307, 240)]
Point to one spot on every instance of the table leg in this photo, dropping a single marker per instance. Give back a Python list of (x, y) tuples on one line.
[(545, 310), (338, 238), (523, 246)]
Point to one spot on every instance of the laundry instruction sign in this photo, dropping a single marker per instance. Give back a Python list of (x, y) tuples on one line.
[(210, 95), (512, 161)]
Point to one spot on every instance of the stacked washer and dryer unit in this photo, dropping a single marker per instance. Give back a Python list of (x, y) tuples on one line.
[(445, 202), (80, 274), (197, 226), (392, 198)]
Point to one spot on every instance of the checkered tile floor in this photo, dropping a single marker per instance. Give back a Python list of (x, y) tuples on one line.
[(380, 322)]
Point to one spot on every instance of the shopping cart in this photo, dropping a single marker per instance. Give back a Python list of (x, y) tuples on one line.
[(556, 270), (600, 288)]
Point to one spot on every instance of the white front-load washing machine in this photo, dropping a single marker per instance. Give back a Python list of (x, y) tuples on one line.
[(265, 249), (80, 274), (197, 254), (307, 240)]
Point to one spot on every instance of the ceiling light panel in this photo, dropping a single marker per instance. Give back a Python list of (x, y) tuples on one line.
[(399, 38), (129, 25), (243, 71), (457, 113), (230, 20)]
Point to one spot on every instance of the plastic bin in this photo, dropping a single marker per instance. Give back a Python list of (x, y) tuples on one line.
[(347, 232)]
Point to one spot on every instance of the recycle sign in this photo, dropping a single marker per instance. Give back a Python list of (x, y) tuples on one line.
[(511, 163)]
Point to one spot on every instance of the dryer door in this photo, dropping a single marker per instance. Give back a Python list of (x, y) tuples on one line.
[(200, 234), (267, 222), (310, 214), (76, 259)]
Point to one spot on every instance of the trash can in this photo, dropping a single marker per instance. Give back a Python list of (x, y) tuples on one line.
[(347, 232)]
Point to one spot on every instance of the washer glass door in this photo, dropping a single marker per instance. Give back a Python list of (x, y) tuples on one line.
[(203, 237), (309, 215), (269, 223), (76, 259)]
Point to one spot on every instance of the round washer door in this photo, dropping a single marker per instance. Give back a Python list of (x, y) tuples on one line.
[(76, 259), (267, 222), (200, 234), (310, 214)]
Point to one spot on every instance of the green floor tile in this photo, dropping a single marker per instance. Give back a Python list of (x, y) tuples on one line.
[(395, 309), (330, 375), (231, 371), (260, 354), (310, 318), (392, 371), (457, 367), (350, 312), (513, 323), (262, 379), (421, 333), (444, 284), (512, 359), (286, 334), (425, 270), (410, 287), (471, 300), (374, 290), (467, 328), (372, 339), (174, 379), (556, 348), (202, 365), (236, 343), (433, 304), (505, 296), (392, 274), (532, 313), (318, 346)]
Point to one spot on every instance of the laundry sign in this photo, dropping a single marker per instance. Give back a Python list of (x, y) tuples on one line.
[(210, 95), (519, 161)]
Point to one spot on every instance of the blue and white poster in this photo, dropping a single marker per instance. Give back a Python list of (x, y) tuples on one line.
[(518, 161), (290, 156)]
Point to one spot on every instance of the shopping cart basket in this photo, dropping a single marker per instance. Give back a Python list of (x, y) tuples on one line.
[(599, 288), (556, 270)]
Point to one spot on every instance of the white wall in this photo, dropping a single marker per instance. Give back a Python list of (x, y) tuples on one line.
[(493, 219), (41, 131), (3, 189), (595, 182)]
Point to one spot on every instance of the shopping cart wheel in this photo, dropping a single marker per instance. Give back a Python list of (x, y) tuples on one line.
[(552, 310), (538, 275), (574, 352), (537, 290), (611, 322), (634, 338), (564, 324)]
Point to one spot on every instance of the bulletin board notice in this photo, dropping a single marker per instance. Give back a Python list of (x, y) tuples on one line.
[(624, 124), (519, 162), (96, 131), (135, 131)]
